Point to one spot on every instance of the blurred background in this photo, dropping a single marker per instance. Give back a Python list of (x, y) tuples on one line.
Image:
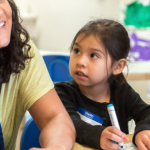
[(52, 25), (57, 21)]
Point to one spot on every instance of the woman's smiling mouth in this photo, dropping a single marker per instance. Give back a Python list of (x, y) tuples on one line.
[(2, 24)]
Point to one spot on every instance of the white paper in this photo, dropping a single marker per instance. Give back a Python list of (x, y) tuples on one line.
[(129, 146)]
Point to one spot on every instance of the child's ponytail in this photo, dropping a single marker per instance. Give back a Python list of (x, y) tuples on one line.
[(117, 79)]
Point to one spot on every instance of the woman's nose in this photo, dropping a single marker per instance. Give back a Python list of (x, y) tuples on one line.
[(1, 12)]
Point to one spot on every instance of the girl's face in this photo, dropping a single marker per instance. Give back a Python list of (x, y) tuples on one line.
[(88, 62), (5, 23)]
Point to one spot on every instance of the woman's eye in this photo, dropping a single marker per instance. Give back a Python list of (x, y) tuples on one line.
[(94, 56), (76, 51)]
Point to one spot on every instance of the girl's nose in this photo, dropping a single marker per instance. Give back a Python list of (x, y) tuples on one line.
[(82, 61)]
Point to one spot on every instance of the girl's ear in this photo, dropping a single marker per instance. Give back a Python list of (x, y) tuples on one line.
[(119, 66)]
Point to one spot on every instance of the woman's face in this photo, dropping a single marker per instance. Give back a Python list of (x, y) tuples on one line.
[(5, 23)]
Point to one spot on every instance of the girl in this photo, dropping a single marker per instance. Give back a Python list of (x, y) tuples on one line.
[(26, 85), (98, 57)]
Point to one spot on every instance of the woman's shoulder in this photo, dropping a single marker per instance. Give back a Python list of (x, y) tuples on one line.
[(30, 47), (33, 48)]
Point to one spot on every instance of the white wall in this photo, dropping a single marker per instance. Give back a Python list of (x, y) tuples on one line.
[(59, 20)]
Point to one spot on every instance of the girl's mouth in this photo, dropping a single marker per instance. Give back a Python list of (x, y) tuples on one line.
[(81, 74)]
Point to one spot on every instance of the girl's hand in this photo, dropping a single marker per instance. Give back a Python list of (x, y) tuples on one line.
[(142, 140), (112, 133)]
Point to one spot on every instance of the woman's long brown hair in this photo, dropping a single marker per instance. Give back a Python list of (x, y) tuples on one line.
[(12, 57)]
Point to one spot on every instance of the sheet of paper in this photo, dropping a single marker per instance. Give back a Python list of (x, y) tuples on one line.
[(129, 146)]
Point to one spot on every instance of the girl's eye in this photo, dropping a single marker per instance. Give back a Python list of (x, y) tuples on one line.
[(94, 56), (76, 51)]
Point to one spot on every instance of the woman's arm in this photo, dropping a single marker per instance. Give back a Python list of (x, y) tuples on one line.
[(57, 130)]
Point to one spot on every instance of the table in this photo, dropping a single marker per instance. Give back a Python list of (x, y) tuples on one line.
[(84, 147)]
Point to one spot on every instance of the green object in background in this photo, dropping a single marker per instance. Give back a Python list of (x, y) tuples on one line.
[(137, 15)]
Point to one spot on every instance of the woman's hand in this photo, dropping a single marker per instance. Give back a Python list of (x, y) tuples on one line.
[(112, 133), (142, 140)]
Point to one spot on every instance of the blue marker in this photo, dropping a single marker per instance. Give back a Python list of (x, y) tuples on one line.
[(113, 118)]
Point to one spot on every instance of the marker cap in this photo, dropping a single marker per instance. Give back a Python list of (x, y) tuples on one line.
[(110, 105)]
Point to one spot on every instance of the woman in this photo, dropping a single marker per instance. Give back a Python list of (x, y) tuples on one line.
[(25, 85)]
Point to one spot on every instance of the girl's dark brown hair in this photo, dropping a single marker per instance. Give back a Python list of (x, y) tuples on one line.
[(114, 38), (12, 57)]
